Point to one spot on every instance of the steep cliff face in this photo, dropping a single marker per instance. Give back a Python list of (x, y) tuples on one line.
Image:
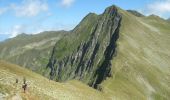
[(88, 57)]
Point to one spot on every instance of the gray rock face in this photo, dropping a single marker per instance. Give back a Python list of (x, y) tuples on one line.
[(90, 61)]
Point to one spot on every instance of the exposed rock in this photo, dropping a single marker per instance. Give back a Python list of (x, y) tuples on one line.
[(90, 60)]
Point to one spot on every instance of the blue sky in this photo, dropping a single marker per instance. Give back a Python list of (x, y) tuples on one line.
[(34, 16)]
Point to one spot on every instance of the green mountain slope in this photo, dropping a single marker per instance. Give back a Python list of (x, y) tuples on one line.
[(40, 88), (124, 56), (31, 51), (141, 68)]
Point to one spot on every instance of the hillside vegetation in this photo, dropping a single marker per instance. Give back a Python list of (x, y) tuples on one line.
[(30, 51), (40, 88), (141, 69)]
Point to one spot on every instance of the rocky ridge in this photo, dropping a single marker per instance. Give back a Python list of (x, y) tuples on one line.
[(90, 60)]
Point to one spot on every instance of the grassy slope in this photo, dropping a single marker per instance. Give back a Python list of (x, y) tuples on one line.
[(141, 68), (78, 35), (31, 51), (40, 88)]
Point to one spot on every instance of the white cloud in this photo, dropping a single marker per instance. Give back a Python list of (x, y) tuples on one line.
[(27, 8), (67, 3), (30, 8), (160, 8), (17, 29)]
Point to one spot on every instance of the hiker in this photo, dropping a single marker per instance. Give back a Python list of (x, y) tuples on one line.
[(24, 86)]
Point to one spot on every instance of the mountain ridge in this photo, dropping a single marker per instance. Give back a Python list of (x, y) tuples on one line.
[(135, 13), (25, 50), (168, 19), (81, 59)]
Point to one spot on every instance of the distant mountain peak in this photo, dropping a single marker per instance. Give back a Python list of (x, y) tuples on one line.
[(136, 13), (22, 35), (154, 16), (168, 19)]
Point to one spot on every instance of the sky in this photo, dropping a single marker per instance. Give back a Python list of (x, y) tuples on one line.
[(35, 16)]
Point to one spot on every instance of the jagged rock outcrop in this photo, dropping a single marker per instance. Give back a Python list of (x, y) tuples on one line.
[(88, 57)]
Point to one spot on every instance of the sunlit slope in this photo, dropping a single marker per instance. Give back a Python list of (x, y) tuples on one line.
[(31, 51), (40, 88), (141, 69)]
